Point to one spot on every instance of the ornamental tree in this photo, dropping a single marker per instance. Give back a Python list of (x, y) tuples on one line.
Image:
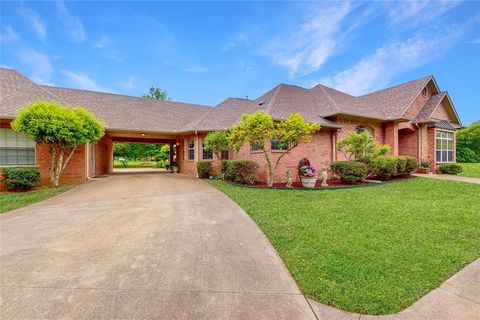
[(62, 128), (259, 127), (217, 142), (361, 146)]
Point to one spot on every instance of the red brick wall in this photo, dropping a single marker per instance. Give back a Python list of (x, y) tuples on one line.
[(418, 103), (408, 143), (104, 155), (391, 136), (350, 126), (319, 152)]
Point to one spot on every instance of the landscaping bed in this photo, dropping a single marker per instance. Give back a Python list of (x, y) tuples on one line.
[(373, 250)]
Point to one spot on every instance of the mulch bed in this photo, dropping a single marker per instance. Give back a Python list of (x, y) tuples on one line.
[(332, 184)]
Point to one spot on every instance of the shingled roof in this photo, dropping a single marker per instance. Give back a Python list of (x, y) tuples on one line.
[(316, 104)]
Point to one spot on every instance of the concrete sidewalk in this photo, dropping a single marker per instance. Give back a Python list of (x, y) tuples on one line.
[(448, 177)]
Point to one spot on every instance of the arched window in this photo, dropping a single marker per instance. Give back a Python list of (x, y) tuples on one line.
[(366, 129)]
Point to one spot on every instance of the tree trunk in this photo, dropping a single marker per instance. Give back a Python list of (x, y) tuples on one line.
[(53, 156), (270, 173), (58, 164)]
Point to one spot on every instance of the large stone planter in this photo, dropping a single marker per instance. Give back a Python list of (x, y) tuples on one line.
[(309, 182)]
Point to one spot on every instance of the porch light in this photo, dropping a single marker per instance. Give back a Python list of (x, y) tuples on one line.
[(142, 134)]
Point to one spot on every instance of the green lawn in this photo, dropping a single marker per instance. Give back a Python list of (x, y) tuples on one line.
[(470, 170), (134, 164), (14, 200), (372, 250)]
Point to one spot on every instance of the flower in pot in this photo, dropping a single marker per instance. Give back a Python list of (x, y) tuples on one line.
[(308, 176), (424, 167), (174, 166)]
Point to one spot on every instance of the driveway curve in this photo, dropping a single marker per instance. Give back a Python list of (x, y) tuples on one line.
[(142, 246)]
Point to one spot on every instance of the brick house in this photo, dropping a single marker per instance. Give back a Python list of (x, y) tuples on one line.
[(415, 118)]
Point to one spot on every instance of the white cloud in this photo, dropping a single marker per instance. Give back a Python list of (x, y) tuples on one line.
[(73, 25), (83, 81), (37, 24), (419, 12), (8, 34), (103, 42), (38, 64), (375, 71), (195, 69), (305, 47), (129, 84)]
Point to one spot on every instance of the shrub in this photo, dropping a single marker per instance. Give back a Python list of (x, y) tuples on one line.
[(204, 168), (241, 171), (385, 167), (350, 171), (451, 168), (161, 164), (466, 155), (223, 165), (401, 166), (22, 178), (412, 165)]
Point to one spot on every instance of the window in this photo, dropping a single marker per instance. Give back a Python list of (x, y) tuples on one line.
[(256, 147), (366, 129), (191, 150), (16, 148), (277, 145), (206, 155), (224, 155), (444, 146)]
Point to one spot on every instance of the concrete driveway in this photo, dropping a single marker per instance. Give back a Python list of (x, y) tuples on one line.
[(149, 246)]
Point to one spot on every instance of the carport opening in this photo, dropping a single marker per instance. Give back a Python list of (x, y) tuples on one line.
[(142, 156)]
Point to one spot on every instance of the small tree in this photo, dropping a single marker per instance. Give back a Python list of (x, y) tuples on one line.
[(157, 94), (258, 127), (361, 146), (62, 128), (217, 142), (468, 143)]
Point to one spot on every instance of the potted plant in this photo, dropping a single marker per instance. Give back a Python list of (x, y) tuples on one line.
[(308, 177), (424, 167), (174, 167)]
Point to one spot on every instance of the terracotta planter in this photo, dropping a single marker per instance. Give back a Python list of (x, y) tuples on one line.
[(309, 182), (423, 170)]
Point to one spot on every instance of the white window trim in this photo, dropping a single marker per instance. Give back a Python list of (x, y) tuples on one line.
[(203, 148), (22, 165), (441, 150), (187, 148)]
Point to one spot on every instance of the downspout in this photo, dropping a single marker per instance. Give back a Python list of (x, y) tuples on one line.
[(195, 160), (419, 142)]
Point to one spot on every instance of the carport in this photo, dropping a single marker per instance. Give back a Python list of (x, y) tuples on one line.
[(100, 154)]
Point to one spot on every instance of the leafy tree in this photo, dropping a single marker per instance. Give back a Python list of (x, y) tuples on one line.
[(164, 153), (120, 149), (361, 146), (62, 128), (468, 139), (217, 142), (157, 94), (258, 127)]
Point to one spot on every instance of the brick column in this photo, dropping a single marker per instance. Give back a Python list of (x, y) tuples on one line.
[(171, 153), (391, 137)]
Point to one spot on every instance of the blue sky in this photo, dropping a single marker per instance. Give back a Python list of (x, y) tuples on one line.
[(204, 52)]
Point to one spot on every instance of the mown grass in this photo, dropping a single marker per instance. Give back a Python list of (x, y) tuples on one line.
[(372, 250), (134, 164), (15, 200), (470, 170)]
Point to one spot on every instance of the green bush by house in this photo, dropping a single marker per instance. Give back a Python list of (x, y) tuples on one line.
[(412, 165), (21, 178), (350, 171), (451, 168), (204, 168), (386, 167), (241, 171)]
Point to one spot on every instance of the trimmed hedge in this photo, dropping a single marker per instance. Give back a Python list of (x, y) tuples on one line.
[(350, 171), (21, 178), (241, 171), (412, 165), (451, 168), (386, 167), (401, 166), (204, 168)]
